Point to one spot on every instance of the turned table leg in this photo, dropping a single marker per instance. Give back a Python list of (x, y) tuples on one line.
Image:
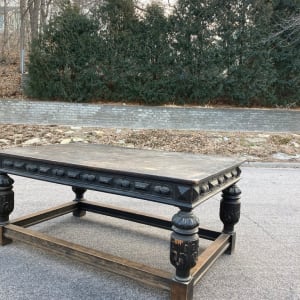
[(184, 250), (6, 204), (79, 197), (230, 207)]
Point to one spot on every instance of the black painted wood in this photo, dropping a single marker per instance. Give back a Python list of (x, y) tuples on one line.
[(45, 215), (230, 210), (180, 179), (138, 217), (6, 197)]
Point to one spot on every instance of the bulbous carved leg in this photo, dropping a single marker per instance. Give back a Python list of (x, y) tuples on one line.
[(6, 204), (230, 207), (79, 197), (184, 248)]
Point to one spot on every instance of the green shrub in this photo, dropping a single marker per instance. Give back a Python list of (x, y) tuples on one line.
[(63, 62), (203, 52)]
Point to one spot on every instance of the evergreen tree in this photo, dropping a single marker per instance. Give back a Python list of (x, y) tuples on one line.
[(286, 54), (62, 60), (235, 43), (205, 51), (153, 57), (196, 52), (118, 22)]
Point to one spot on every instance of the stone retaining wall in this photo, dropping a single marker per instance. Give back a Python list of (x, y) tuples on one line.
[(138, 117)]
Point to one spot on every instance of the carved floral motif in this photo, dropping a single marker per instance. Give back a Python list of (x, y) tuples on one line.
[(184, 243), (230, 207), (184, 255)]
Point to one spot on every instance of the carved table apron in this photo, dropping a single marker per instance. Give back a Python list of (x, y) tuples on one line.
[(178, 179)]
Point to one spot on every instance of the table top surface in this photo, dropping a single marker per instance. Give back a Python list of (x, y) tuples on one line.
[(171, 165)]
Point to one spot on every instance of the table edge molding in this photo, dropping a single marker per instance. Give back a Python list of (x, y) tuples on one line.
[(164, 190)]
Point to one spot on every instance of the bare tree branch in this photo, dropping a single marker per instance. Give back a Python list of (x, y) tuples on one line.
[(289, 30)]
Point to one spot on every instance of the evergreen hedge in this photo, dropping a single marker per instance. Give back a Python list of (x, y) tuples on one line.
[(63, 60), (203, 52)]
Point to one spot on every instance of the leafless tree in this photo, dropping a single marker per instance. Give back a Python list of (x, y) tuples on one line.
[(289, 29), (45, 8), (34, 7), (5, 31)]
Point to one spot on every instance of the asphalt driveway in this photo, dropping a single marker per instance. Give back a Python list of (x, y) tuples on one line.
[(266, 264)]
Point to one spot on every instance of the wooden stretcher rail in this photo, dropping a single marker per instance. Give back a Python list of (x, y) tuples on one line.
[(138, 217), (207, 258), (108, 210), (121, 266), (145, 274), (142, 273), (45, 215)]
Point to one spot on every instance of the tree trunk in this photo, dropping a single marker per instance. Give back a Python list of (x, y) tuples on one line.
[(5, 32), (34, 13), (22, 33), (43, 14), (77, 3)]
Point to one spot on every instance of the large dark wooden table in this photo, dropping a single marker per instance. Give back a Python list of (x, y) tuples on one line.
[(178, 179)]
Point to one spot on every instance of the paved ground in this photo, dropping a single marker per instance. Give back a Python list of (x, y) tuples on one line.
[(147, 117), (266, 264)]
